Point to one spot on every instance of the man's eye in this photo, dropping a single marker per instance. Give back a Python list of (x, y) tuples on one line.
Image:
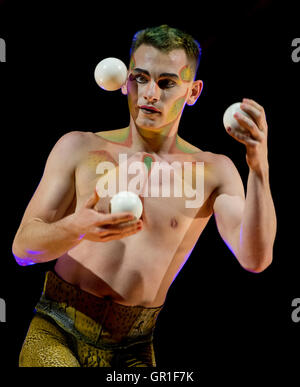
[(166, 83), (141, 79)]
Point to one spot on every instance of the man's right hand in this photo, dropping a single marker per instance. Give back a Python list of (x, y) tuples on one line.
[(96, 226)]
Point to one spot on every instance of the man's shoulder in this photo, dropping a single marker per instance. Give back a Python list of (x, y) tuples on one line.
[(219, 167), (72, 139), (71, 146), (223, 172), (76, 141), (217, 160), (214, 159), (76, 145)]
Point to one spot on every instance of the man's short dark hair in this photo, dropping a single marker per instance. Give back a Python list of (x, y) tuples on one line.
[(166, 39)]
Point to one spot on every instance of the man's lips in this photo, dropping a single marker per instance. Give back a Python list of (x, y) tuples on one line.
[(149, 108)]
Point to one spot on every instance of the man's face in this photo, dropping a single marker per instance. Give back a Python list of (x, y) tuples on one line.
[(158, 86)]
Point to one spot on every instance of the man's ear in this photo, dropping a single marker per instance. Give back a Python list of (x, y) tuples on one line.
[(195, 92), (124, 88)]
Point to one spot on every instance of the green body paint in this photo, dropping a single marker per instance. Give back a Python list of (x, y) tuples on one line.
[(148, 161), (118, 136), (184, 147)]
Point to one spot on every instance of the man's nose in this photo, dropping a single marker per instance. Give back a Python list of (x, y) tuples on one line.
[(152, 92)]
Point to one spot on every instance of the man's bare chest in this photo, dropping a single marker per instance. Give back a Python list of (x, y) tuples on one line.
[(169, 187)]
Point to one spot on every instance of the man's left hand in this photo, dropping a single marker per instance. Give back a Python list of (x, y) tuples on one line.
[(255, 138)]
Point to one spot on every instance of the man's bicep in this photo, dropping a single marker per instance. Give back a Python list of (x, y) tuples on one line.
[(228, 211), (229, 205), (51, 199), (56, 189)]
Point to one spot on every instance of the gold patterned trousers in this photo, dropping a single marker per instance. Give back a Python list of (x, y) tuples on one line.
[(73, 328)]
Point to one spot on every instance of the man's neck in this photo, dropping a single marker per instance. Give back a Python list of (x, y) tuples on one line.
[(159, 141)]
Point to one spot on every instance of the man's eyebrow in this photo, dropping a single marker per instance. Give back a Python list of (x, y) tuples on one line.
[(171, 75), (138, 70)]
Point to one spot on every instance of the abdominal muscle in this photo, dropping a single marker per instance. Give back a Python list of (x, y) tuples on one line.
[(136, 270), (130, 273)]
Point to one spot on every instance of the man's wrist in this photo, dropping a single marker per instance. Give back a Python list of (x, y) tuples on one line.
[(260, 168), (68, 225)]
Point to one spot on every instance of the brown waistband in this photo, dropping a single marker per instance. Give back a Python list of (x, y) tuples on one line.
[(114, 321), (55, 288)]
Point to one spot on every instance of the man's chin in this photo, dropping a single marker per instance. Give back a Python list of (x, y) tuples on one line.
[(147, 124)]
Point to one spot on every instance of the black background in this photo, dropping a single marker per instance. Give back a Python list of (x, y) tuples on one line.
[(217, 315)]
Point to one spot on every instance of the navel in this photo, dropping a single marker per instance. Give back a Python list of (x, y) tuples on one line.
[(174, 223)]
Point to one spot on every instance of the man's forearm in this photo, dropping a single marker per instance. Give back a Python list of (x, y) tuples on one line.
[(258, 227), (38, 241)]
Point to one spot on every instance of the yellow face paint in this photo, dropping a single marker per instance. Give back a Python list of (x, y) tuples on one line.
[(150, 133), (186, 74), (132, 63), (176, 108)]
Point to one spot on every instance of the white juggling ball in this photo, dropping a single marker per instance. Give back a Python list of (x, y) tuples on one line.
[(110, 74), (126, 201), (229, 120)]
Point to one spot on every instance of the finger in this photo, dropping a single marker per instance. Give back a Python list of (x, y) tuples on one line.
[(243, 138), (121, 228), (249, 125), (108, 238), (116, 218), (103, 232), (93, 200), (132, 224), (253, 112), (258, 112), (253, 103)]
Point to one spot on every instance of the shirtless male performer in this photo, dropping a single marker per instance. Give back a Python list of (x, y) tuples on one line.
[(99, 305)]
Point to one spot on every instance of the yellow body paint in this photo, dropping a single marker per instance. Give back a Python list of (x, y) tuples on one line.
[(117, 136), (184, 147), (96, 157)]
